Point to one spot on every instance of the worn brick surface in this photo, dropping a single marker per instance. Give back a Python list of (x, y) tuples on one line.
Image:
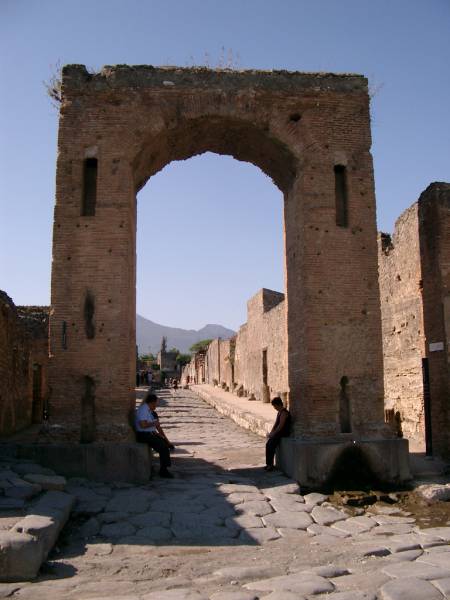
[(23, 343), (296, 127), (414, 270)]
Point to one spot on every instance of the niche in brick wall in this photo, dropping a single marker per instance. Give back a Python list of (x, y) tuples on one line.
[(340, 190), (87, 430), (344, 407), (89, 187), (89, 312)]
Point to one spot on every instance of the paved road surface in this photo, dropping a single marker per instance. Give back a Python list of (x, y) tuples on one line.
[(223, 529)]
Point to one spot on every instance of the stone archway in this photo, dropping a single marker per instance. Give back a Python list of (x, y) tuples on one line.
[(311, 134)]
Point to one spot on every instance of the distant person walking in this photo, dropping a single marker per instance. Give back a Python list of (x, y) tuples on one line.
[(281, 428), (149, 431)]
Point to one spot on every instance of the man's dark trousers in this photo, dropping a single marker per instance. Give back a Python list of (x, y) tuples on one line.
[(271, 446), (157, 443)]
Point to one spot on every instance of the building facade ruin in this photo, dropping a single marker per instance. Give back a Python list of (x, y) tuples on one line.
[(252, 364), (24, 388), (414, 266), (311, 134)]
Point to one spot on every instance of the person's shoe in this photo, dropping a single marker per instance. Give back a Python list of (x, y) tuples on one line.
[(166, 474), (268, 468)]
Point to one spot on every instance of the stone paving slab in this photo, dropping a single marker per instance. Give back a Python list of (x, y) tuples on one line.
[(417, 569), (234, 595), (315, 529), (300, 583), (47, 482), (407, 556), (438, 559), (327, 515), (368, 581), (315, 498), (287, 519), (244, 573), (443, 585), (257, 508), (280, 504), (442, 533), (409, 589), (259, 535), (296, 536), (27, 544), (286, 488), (180, 594), (352, 595)]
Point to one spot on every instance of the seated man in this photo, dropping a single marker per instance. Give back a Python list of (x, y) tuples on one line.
[(149, 431), (280, 429)]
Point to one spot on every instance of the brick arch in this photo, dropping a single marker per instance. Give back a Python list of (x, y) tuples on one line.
[(122, 125), (241, 139)]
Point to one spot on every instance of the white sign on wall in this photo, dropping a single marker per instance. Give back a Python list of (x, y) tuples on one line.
[(436, 346)]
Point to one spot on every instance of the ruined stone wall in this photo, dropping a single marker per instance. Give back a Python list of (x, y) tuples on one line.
[(227, 348), (212, 363), (400, 276), (240, 353), (414, 275), (434, 232), (188, 372), (24, 357), (15, 370), (219, 359), (35, 320), (265, 331)]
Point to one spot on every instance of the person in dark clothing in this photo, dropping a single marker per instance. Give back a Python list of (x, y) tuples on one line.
[(149, 431), (280, 429), (161, 431)]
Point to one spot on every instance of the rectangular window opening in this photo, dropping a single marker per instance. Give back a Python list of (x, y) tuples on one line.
[(340, 187), (264, 366), (89, 187)]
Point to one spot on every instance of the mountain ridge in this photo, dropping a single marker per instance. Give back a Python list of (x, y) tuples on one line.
[(149, 335)]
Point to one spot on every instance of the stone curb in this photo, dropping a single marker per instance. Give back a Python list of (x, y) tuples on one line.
[(25, 547), (247, 420)]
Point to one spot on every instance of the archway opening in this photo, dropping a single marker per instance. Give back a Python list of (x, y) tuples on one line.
[(240, 139), (209, 236)]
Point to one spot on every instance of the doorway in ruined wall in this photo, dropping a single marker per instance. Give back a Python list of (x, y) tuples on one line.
[(209, 236)]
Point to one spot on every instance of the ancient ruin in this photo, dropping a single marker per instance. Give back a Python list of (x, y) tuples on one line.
[(254, 363), (414, 269), (311, 134), (24, 388)]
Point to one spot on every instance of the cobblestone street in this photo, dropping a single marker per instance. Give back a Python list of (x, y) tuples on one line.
[(223, 529)]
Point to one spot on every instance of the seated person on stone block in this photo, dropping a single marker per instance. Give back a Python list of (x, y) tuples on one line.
[(149, 431), (280, 429)]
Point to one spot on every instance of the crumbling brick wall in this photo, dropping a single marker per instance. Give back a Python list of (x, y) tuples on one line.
[(261, 346), (434, 234), (414, 275), (15, 360), (400, 277), (23, 346), (310, 133), (35, 320), (220, 363)]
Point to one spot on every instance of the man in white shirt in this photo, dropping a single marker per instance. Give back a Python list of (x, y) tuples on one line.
[(149, 431)]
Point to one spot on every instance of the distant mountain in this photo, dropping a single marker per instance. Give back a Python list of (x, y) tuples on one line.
[(149, 335)]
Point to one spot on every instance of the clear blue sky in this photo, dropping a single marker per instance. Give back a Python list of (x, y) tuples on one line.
[(220, 217)]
